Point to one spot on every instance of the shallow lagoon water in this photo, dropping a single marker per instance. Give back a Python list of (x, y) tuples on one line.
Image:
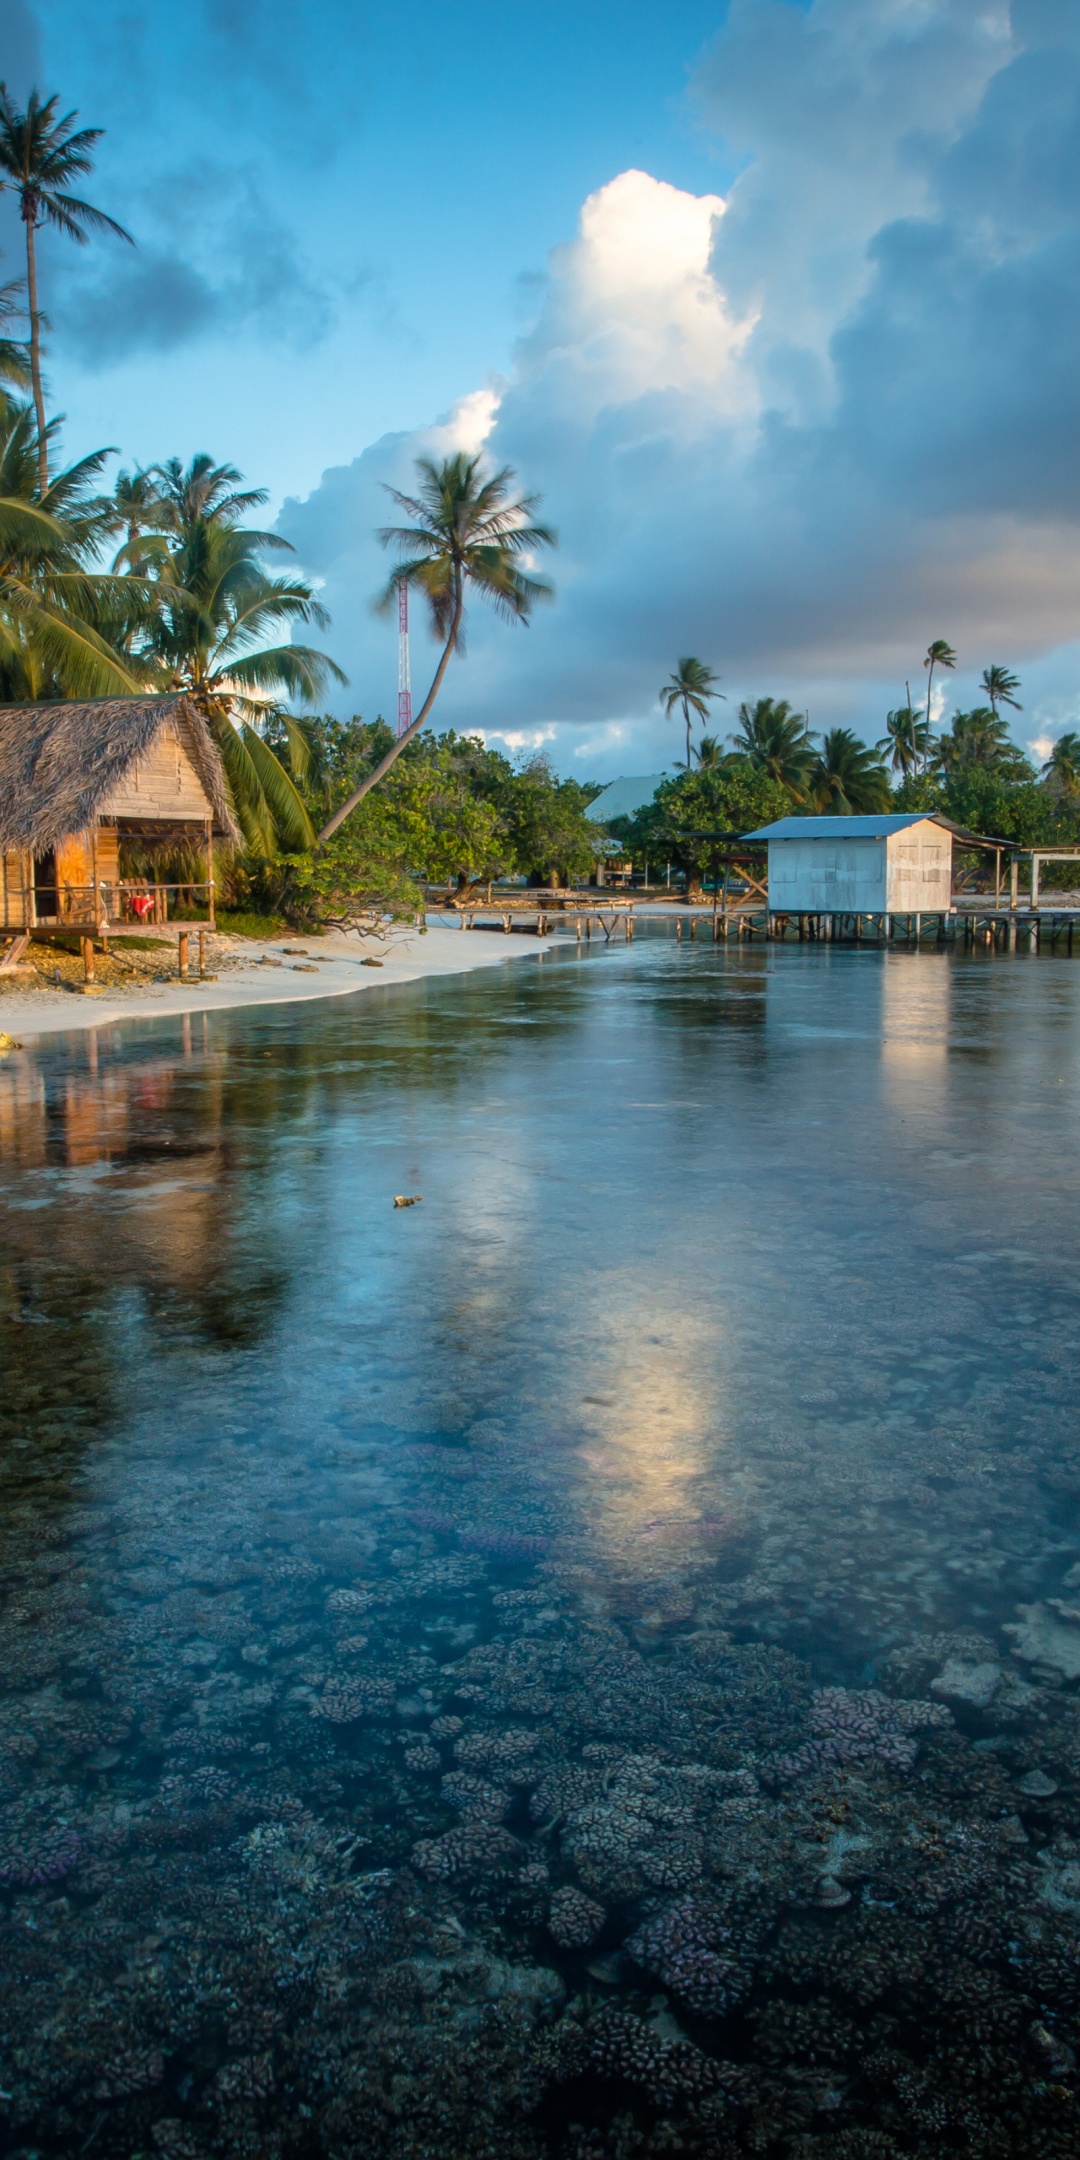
[(587, 1665)]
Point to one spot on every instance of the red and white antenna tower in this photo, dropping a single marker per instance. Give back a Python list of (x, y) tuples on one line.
[(404, 687)]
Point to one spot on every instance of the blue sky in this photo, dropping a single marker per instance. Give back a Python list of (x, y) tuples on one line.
[(775, 304), (340, 233)]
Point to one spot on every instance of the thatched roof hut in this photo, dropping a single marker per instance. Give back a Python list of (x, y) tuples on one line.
[(75, 778), (62, 766)]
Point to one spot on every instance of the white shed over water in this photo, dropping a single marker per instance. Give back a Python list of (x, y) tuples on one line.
[(858, 865)]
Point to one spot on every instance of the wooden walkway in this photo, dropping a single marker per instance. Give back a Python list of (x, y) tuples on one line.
[(539, 912), (1004, 928)]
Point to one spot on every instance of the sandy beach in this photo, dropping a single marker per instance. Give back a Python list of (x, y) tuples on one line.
[(273, 971)]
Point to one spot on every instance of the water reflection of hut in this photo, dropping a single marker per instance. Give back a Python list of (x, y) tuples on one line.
[(78, 779)]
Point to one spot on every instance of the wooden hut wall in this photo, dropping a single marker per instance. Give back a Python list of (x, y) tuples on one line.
[(16, 879), (161, 783)]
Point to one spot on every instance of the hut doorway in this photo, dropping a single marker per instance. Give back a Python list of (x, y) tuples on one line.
[(46, 902)]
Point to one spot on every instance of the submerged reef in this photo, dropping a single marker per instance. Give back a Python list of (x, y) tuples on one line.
[(516, 1872)]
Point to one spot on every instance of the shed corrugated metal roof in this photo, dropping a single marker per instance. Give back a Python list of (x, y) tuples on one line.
[(843, 828)]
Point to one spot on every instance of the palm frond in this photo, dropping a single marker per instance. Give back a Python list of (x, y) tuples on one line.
[(293, 827)]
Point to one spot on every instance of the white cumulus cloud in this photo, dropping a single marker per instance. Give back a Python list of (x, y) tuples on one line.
[(799, 431)]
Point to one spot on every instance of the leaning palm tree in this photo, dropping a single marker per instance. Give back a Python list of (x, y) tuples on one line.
[(1001, 687), (40, 155), (906, 741), (939, 653), (469, 536), (693, 687), (63, 623), (211, 604), (848, 778), (1062, 768), (778, 742)]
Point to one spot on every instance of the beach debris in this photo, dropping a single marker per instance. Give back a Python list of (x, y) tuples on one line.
[(369, 962), (8, 1043), (304, 967), (403, 1199)]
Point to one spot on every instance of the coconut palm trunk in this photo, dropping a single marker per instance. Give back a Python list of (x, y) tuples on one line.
[(420, 721), (35, 356)]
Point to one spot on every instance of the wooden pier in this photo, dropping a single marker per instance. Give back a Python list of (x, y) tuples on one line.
[(538, 912), (1001, 927)]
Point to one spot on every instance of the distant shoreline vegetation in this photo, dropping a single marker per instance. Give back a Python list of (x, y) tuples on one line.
[(972, 772)]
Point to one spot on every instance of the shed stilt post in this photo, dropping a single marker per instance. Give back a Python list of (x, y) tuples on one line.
[(182, 955), (202, 954), (88, 958)]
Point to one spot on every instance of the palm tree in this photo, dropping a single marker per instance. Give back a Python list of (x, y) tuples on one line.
[(693, 687), (63, 624), (939, 653), (981, 738), (1001, 688), (40, 155), (134, 504), (777, 741), (1062, 767), (14, 357), (710, 753), (469, 536), (906, 740), (211, 604), (848, 778)]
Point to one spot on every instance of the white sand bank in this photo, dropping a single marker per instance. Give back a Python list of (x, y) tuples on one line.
[(408, 957)]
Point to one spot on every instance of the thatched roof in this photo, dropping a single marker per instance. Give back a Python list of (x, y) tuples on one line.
[(60, 763)]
